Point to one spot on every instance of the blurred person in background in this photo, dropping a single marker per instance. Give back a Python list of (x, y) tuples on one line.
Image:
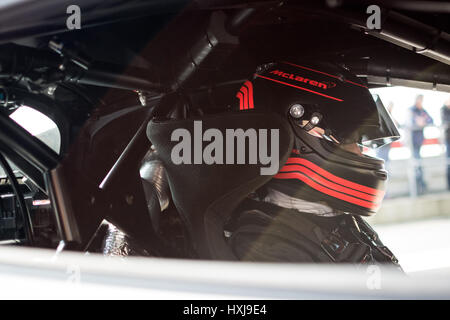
[(419, 118), (445, 116)]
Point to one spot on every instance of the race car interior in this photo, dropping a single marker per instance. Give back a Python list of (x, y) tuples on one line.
[(101, 189)]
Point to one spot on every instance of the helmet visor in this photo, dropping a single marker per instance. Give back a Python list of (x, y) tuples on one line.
[(371, 127), (385, 133)]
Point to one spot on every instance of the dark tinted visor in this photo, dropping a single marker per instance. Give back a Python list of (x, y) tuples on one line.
[(385, 133), (372, 129)]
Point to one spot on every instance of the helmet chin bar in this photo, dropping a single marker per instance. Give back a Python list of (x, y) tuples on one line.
[(319, 170)]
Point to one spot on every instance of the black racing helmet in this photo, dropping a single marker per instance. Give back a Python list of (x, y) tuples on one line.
[(327, 107)]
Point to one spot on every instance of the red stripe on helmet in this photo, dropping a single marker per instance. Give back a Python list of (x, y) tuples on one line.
[(356, 84), (244, 90), (332, 193), (328, 184), (334, 178), (327, 74), (249, 85), (240, 96), (301, 88)]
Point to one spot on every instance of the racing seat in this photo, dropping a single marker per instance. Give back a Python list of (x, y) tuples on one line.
[(206, 195)]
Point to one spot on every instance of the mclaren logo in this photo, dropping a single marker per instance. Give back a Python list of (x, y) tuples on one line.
[(291, 76)]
